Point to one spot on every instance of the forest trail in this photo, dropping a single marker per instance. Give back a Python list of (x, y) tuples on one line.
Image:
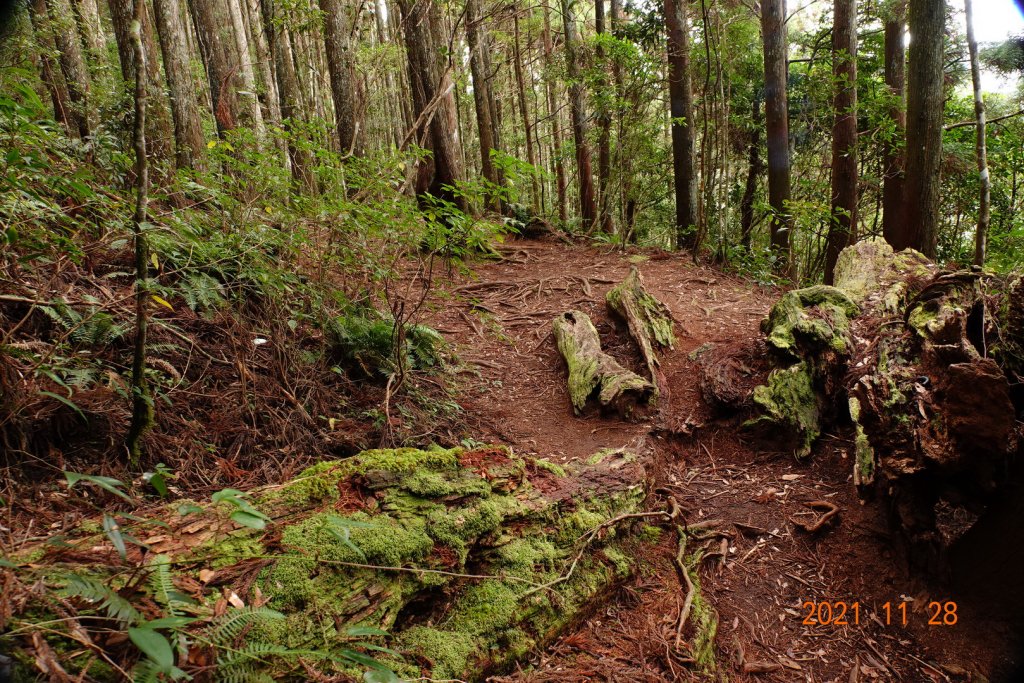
[(499, 320)]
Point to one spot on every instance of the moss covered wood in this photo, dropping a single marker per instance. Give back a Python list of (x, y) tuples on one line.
[(594, 372), (448, 550), (649, 320)]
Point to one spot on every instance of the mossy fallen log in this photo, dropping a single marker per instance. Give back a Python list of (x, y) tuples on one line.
[(927, 366), (464, 556), (649, 320), (594, 372)]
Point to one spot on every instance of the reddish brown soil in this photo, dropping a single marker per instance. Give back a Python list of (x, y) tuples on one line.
[(515, 393)]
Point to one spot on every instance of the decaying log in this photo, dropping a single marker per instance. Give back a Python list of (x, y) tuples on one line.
[(929, 365), (592, 371), (649, 320), (463, 556)]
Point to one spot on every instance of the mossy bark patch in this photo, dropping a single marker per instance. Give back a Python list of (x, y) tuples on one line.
[(789, 403), (594, 372), (650, 322), (811, 320)]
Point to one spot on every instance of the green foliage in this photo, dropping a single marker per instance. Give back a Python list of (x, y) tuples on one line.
[(106, 599), (368, 342)]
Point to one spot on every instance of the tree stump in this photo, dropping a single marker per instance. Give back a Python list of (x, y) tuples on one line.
[(650, 322), (592, 371)]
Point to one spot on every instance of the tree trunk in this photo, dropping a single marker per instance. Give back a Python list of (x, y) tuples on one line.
[(341, 65), (920, 214), (893, 229), (843, 224), (773, 33), (250, 98), (604, 127), (280, 45), (433, 102), (556, 122), (158, 120), (72, 64), (48, 71), (88, 14), (531, 153), (650, 322), (681, 110), (270, 96), (188, 131), (577, 101), (219, 50), (142, 399), (985, 199), (482, 97), (754, 170)]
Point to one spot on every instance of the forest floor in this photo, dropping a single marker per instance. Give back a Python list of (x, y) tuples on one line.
[(499, 320)]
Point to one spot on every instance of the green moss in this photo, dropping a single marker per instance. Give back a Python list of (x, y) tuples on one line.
[(455, 528), (861, 265), (815, 319), (864, 454), (548, 466), (789, 402), (232, 549), (650, 533), (449, 651)]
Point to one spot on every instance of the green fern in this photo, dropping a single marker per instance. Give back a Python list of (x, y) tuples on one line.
[(105, 598), (201, 292), (226, 628), (161, 585), (94, 329)]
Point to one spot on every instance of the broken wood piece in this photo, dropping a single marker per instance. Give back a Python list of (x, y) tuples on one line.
[(831, 510), (761, 667), (591, 370), (649, 320)]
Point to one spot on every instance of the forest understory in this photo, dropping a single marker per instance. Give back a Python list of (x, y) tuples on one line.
[(748, 502)]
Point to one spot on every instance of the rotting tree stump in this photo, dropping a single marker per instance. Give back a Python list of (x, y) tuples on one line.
[(594, 372), (470, 559), (649, 320), (927, 365)]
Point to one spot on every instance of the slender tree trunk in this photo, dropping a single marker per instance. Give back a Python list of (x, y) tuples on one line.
[(985, 199), (159, 132), (920, 214), (773, 33), (843, 224), (604, 127), (433, 102), (531, 154), (577, 101), (72, 63), (556, 122), (893, 229), (754, 170), (219, 51), (265, 70), (142, 399), (250, 98), (48, 70), (188, 130), (681, 110), (482, 97), (625, 186), (88, 15), (280, 44), (344, 86)]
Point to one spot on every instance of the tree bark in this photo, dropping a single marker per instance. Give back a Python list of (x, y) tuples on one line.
[(981, 153), (72, 64), (680, 91), (158, 120), (604, 127), (920, 214), (528, 128), (219, 50), (270, 96), (556, 123), (483, 97), (754, 169), (893, 229), (433, 101), (773, 32), (88, 14), (577, 101), (48, 71), (250, 99), (843, 224), (188, 130), (344, 86)]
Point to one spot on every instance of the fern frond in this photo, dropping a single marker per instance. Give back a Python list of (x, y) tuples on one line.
[(226, 628), (105, 598), (161, 584)]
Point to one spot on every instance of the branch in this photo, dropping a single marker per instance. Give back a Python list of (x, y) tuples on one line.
[(964, 124)]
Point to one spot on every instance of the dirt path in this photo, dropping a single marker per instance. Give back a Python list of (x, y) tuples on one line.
[(500, 322)]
